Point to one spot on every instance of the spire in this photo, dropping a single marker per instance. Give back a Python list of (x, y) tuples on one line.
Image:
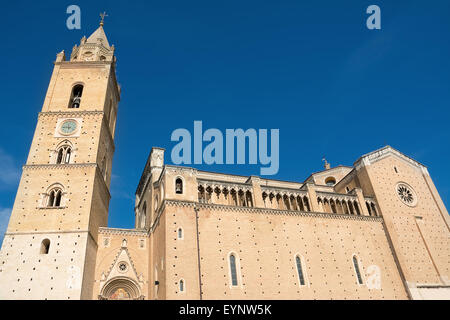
[(99, 37), (94, 48)]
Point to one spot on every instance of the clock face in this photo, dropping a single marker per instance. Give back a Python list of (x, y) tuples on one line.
[(68, 127)]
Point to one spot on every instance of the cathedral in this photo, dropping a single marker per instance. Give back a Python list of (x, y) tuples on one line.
[(375, 230)]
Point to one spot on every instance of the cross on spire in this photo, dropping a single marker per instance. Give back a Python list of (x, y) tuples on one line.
[(102, 15)]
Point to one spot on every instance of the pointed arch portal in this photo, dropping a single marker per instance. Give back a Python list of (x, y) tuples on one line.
[(121, 288)]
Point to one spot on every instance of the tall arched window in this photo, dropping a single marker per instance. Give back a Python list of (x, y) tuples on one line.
[(357, 271), (54, 197), (45, 246), (75, 97), (301, 277), (64, 154), (178, 186), (233, 271)]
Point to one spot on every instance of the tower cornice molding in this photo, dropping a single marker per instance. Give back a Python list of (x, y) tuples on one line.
[(83, 64), (70, 113), (58, 166), (70, 166)]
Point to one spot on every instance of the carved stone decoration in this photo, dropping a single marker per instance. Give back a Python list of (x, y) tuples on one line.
[(121, 281), (406, 194)]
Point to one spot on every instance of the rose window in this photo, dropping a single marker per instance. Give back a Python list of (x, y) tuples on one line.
[(122, 267), (406, 194)]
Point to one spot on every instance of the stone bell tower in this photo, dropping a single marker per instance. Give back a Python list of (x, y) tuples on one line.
[(63, 197)]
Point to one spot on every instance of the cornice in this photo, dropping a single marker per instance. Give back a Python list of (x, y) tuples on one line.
[(70, 113), (380, 154), (122, 232), (180, 169), (82, 64), (180, 203), (58, 166), (69, 166)]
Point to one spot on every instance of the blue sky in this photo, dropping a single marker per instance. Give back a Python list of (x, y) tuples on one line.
[(310, 68)]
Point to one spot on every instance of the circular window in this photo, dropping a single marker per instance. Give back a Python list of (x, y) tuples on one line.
[(330, 181), (123, 266), (406, 194)]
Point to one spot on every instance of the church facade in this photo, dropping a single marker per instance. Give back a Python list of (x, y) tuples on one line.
[(375, 230)]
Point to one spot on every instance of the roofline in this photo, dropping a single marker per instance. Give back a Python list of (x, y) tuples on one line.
[(231, 174), (339, 166), (384, 148), (286, 181)]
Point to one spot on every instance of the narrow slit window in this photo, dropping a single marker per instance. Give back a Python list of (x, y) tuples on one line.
[(358, 273), (181, 286), (234, 281), (180, 233), (301, 277)]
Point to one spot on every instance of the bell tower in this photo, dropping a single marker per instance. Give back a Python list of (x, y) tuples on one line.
[(50, 246)]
